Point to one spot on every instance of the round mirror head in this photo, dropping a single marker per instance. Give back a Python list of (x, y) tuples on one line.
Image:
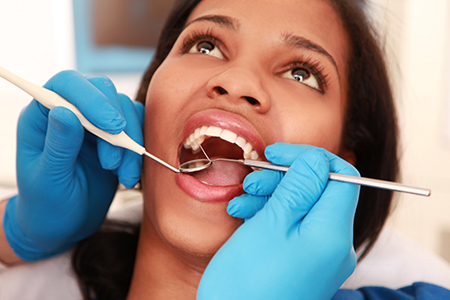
[(195, 165)]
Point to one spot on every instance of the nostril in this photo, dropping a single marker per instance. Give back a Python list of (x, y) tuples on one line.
[(251, 100), (221, 90), (218, 90)]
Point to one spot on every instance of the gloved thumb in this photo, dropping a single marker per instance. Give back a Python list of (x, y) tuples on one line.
[(63, 141), (302, 184)]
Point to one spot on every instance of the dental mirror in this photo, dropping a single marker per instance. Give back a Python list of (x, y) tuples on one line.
[(195, 165)]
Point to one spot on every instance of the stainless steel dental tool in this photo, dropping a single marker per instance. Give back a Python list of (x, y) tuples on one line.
[(50, 99), (197, 165)]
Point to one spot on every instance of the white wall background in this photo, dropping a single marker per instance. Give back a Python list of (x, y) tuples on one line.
[(421, 39), (38, 41)]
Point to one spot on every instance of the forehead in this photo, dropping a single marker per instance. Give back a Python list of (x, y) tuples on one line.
[(270, 20)]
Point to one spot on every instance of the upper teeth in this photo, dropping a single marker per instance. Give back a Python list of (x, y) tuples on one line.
[(199, 135)]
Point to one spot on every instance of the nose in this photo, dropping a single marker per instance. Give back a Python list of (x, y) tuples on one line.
[(239, 85)]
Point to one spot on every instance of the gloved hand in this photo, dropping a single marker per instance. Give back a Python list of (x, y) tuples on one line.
[(66, 176), (299, 245)]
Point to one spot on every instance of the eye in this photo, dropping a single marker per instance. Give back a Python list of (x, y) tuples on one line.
[(206, 47), (303, 75)]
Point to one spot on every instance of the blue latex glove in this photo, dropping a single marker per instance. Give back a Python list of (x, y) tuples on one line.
[(66, 176), (300, 244)]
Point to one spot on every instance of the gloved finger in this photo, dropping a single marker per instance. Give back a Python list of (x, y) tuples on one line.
[(129, 171), (340, 166), (336, 217), (332, 216), (301, 186), (32, 127), (262, 183), (110, 156), (107, 87), (88, 99), (246, 206), (55, 147), (284, 153), (62, 144)]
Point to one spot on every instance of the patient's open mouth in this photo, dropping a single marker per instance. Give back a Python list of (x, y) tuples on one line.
[(218, 142)]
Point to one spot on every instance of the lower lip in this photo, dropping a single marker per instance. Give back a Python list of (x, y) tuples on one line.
[(204, 192)]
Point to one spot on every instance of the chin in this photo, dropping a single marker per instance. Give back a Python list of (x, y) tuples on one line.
[(182, 222), (197, 239)]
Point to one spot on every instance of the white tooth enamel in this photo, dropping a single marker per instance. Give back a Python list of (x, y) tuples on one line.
[(203, 130), (201, 139), (187, 144), (247, 148), (240, 141), (195, 148), (191, 139), (254, 155), (214, 131), (228, 136), (197, 133)]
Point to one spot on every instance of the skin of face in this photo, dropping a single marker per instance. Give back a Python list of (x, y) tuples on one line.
[(255, 43)]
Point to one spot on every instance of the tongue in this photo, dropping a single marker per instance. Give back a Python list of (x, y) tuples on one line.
[(223, 173)]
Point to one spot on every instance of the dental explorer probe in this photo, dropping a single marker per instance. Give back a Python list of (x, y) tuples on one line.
[(51, 99)]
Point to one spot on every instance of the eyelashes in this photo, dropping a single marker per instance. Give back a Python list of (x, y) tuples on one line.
[(312, 67), (307, 71), (199, 36)]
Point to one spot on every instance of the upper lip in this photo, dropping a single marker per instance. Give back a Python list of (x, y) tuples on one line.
[(225, 120)]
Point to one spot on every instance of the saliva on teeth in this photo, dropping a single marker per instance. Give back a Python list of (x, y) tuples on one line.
[(199, 135)]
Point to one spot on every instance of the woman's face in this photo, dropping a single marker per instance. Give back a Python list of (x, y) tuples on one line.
[(255, 72)]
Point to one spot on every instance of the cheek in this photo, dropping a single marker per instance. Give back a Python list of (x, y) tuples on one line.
[(177, 78), (163, 103), (158, 102), (316, 123)]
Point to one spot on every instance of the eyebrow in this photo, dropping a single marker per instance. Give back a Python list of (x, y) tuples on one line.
[(225, 21), (295, 41)]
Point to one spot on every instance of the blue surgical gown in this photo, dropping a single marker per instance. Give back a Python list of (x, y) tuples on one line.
[(417, 291)]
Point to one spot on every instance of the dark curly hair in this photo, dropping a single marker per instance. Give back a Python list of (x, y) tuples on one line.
[(370, 131)]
